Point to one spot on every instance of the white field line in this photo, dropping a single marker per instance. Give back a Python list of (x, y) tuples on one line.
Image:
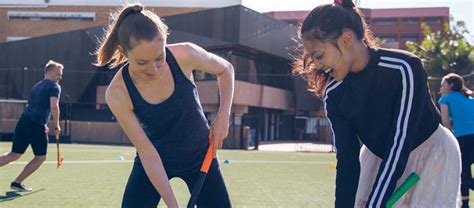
[(221, 161)]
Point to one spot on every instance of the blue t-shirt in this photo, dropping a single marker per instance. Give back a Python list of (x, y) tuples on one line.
[(461, 111), (38, 108)]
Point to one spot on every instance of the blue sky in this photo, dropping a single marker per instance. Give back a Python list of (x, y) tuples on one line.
[(459, 9)]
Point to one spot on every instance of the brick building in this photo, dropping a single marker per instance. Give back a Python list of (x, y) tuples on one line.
[(394, 26), (32, 18)]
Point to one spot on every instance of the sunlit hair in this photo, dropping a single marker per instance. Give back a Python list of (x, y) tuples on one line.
[(51, 65), (132, 25), (327, 23)]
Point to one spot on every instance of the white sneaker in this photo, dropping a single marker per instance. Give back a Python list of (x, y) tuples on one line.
[(20, 187)]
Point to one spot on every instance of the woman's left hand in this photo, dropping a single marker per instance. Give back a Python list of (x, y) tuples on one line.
[(219, 129)]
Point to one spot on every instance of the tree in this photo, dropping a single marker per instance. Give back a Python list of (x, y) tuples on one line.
[(444, 51)]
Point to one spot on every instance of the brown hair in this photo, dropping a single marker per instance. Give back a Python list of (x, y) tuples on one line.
[(458, 84), (326, 23), (52, 65), (133, 23)]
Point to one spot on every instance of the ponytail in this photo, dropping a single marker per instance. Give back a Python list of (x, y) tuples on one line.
[(134, 22)]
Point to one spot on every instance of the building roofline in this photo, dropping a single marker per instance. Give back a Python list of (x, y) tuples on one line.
[(373, 12), (148, 3)]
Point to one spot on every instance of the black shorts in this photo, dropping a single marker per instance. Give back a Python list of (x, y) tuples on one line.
[(28, 132)]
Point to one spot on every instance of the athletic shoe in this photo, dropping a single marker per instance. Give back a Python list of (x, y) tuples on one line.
[(20, 187)]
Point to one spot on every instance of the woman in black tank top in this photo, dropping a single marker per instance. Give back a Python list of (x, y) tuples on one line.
[(157, 104)]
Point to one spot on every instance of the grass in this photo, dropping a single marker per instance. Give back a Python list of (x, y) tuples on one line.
[(253, 178)]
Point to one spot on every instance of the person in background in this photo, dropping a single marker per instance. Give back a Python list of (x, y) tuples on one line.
[(457, 114), (32, 126)]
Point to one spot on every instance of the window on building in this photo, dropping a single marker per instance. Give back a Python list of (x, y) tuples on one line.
[(257, 70), (433, 20), (28, 15), (245, 67), (410, 37), (384, 21), (410, 21)]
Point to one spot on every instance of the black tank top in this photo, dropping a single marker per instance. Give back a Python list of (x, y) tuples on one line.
[(177, 127)]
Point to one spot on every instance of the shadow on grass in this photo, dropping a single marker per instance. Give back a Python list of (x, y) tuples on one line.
[(11, 195)]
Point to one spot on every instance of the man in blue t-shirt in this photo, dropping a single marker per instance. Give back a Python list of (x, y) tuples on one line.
[(32, 127)]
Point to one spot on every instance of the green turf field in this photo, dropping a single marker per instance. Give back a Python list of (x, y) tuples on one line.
[(94, 176)]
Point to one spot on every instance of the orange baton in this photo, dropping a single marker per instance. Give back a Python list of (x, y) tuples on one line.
[(202, 175)]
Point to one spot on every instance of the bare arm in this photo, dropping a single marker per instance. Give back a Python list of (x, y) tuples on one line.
[(149, 156), (445, 119), (54, 106), (224, 71), (201, 60)]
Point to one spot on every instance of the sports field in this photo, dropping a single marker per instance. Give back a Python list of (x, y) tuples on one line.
[(95, 176)]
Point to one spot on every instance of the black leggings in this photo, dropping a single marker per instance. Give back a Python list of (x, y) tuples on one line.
[(140, 192), (466, 143)]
